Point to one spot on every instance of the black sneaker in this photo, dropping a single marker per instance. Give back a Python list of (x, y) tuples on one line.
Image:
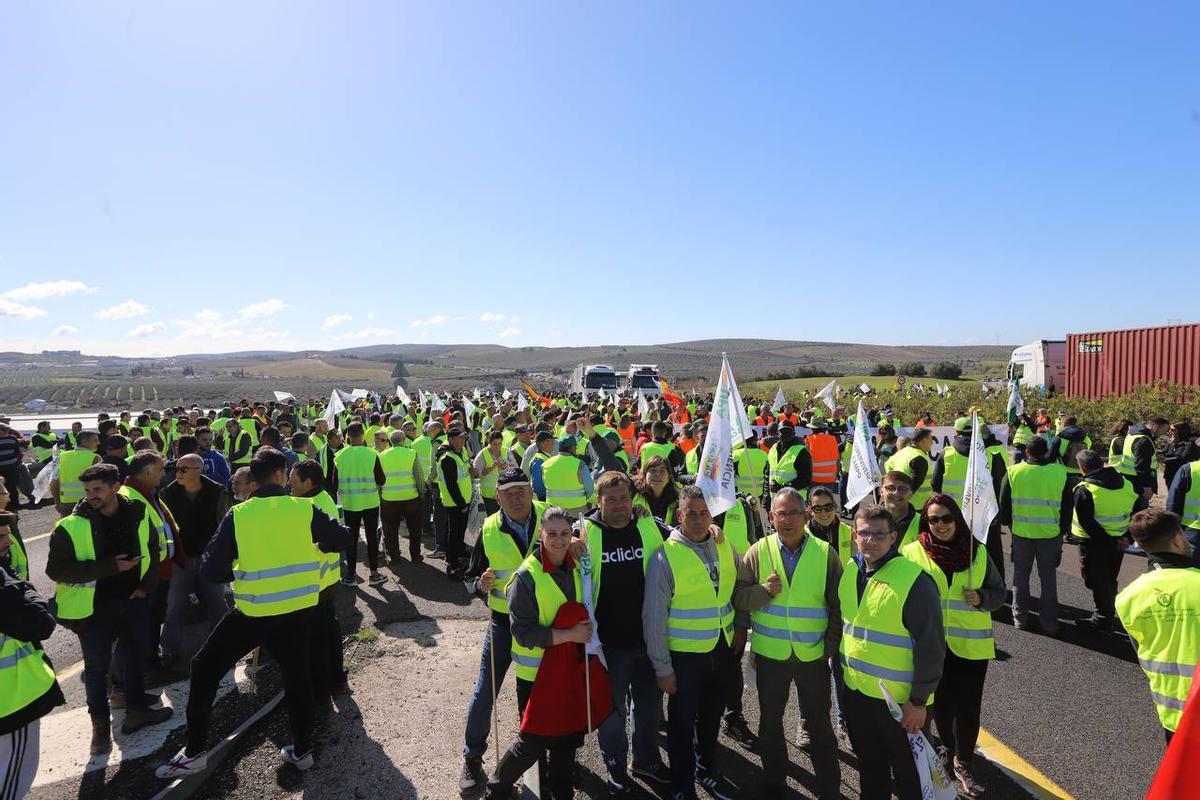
[(658, 773), (1096, 622), (617, 788), (966, 781), (472, 779), (717, 784), (737, 729)]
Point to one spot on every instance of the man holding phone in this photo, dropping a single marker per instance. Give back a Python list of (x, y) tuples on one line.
[(104, 559)]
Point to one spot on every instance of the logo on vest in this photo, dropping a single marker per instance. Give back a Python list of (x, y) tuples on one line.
[(621, 554), (1163, 599)]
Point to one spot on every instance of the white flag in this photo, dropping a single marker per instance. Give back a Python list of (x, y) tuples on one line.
[(741, 430), (436, 405), (585, 568), (507, 394), (281, 396), (476, 394), (643, 405), (522, 403), (863, 475), (780, 401), (335, 407), (358, 394), (716, 473), (828, 395), (862, 387), (469, 408), (603, 393), (979, 504), (585, 395), (403, 395), (1016, 406)]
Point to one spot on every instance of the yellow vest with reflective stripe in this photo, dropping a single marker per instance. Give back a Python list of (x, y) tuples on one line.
[(549, 599), (737, 527), (250, 428), (968, 629), (902, 462), (795, 620), (503, 556), (1036, 491), (357, 489), (76, 600), (166, 533), (875, 644), (24, 674), (1125, 461), (41, 451), (954, 473), (277, 569), (398, 464), (783, 468), (751, 463), (1159, 611), (490, 479), (651, 449), (1113, 508), (691, 462), (18, 561), (331, 563), (699, 614), (560, 475), (652, 540), (1191, 500), (845, 541), (463, 478), (71, 465)]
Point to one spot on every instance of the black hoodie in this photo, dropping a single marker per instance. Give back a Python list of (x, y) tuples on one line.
[(962, 446), (1071, 433), (1085, 507)]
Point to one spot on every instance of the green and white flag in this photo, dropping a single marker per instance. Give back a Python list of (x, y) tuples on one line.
[(716, 473), (1016, 406), (862, 478)]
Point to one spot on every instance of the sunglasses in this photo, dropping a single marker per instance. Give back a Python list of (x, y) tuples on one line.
[(823, 508), (186, 469), (938, 519)]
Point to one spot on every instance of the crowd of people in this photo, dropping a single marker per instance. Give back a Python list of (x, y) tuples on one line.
[(593, 537)]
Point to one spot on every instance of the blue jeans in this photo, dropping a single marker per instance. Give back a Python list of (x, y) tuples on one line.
[(497, 644), (127, 620), (630, 672)]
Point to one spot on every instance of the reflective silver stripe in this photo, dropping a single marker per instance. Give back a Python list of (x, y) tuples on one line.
[(355, 480), (573, 493), (1169, 702), (1119, 518), (1035, 520), (957, 484), (795, 612), (276, 572), (1030, 502), (503, 573), (1168, 668), (877, 671), (960, 605), (273, 597), (817, 464), (526, 661), (969, 633), (699, 613), (803, 637), (499, 595), (685, 633), (11, 661), (879, 637)]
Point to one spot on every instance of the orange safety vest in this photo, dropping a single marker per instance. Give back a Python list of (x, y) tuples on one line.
[(627, 437), (686, 445), (791, 419), (824, 450), (763, 421)]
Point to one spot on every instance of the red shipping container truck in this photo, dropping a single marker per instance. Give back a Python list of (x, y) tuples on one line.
[(1113, 362)]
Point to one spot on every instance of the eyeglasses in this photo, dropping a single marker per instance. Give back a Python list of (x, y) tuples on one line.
[(824, 508), (872, 537), (937, 519), (787, 514), (901, 489), (186, 469)]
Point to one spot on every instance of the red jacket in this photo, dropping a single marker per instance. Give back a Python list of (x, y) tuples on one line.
[(556, 703)]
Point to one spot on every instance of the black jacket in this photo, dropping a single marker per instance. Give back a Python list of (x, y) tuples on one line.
[(962, 446), (1085, 506), (26, 616), (196, 518), (1177, 455), (1143, 457)]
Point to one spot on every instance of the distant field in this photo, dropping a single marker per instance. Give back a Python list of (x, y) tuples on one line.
[(792, 388)]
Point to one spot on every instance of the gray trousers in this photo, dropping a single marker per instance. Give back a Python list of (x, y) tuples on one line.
[(185, 579), (1047, 553)]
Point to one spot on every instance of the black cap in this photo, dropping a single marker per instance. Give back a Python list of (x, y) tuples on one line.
[(543, 436), (510, 476)]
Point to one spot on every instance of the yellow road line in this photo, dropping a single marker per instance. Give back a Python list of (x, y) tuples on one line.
[(29, 539), (1020, 770), (70, 672)]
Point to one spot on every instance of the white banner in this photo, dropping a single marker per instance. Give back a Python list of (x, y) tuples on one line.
[(863, 476), (283, 396), (403, 395), (716, 473), (779, 402), (828, 395), (335, 407), (979, 504)]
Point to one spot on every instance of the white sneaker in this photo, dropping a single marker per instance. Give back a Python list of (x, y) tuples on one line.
[(181, 766), (301, 763)]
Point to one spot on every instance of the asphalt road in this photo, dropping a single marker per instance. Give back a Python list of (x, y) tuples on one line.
[(1076, 709)]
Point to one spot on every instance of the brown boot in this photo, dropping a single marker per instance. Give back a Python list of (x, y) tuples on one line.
[(138, 718), (101, 737)]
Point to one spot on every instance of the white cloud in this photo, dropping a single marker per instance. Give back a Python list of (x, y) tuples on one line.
[(514, 319), (370, 315), (366, 333), (436, 319), (47, 289), (264, 333), (207, 324), (126, 310), (488, 316), (10, 309), (64, 330), (263, 309), (149, 329), (333, 320), (207, 315), (509, 332)]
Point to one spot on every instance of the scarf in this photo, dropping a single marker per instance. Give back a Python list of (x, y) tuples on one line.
[(952, 556)]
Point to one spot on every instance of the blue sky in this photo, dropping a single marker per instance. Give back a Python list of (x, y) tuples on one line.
[(293, 175)]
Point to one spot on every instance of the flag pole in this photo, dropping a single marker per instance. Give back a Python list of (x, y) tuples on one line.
[(587, 659), (495, 710)]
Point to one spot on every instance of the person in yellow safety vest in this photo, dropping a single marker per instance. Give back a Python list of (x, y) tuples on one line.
[(789, 583), (163, 436), (141, 486), (662, 446), (657, 492), (891, 633), (42, 446), (516, 451), (66, 488), (1104, 501), (328, 669), (567, 481), (824, 523), (426, 445), (357, 478), (789, 462), (455, 485), (271, 548), (1137, 454), (400, 499), (1183, 500), (691, 639), (239, 445), (621, 544), (1160, 611), (751, 465), (545, 581), (914, 462), (949, 475), (970, 588), (823, 449), (104, 561), (1035, 504), (28, 688), (489, 463), (895, 493), (508, 537)]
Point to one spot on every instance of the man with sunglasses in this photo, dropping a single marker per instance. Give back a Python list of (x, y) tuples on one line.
[(198, 505)]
